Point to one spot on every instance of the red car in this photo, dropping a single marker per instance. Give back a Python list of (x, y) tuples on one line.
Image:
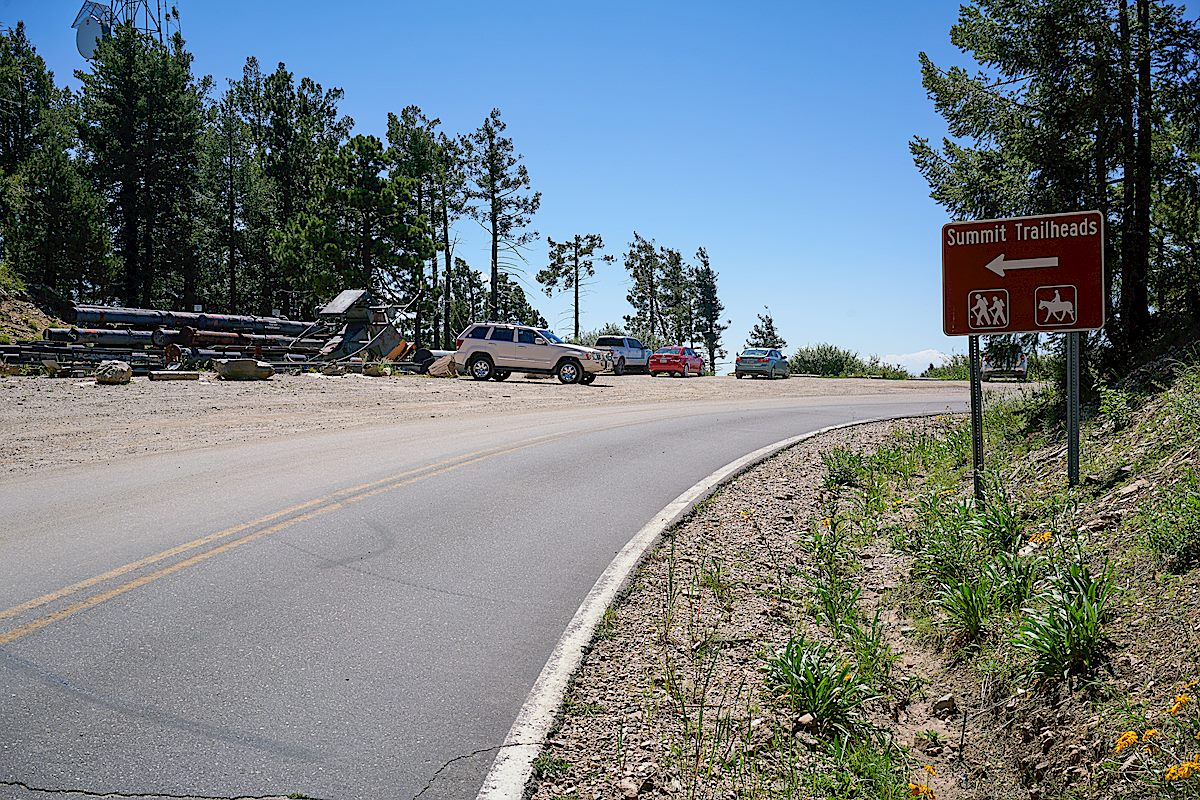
[(678, 360)]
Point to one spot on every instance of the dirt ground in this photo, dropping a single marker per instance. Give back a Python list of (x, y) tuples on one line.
[(48, 423)]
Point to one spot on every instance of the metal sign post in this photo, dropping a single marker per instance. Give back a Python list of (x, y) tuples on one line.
[(976, 416), (1042, 274), (1073, 408)]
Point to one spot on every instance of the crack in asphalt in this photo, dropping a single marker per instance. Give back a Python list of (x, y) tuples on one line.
[(89, 793), (463, 757)]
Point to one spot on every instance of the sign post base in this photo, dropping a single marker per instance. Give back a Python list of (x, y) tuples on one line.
[(976, 416)]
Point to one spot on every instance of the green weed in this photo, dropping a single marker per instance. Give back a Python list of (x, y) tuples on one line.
[(1116, 406), (1064, 635), (607, 628), (1172, 523), (843, 467), (810, 678), (548, 766), (967, 605)]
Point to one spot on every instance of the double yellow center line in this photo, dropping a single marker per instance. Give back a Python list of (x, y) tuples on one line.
[(238, 535)]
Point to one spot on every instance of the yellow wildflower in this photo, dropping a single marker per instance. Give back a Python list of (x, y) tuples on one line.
[(1180, 701), (1184, 769), (1191, 683), (1149, 734), (1041, 538), (1128, 739), (825, 523), (929, 768), (921, 790)]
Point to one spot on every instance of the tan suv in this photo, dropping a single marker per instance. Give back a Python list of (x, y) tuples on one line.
[(496, 350)]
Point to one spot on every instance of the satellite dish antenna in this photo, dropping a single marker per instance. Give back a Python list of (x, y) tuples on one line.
[(88, 35), (91, 23)]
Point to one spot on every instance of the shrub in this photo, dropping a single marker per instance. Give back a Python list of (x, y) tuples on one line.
[(810, 678), (1065, 636), (1172, 523), (1116, 406), (891, 372), (828, 361), (956, 368)]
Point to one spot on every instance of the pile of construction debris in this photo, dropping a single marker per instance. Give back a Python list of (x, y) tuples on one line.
[(350, 333)]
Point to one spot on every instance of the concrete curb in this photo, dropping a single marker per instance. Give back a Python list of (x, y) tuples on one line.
[(513, 765)]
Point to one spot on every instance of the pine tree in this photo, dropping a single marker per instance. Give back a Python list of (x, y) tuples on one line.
[(141, 117), (1076, 105), (470, 297), (572, 263), (55, 234), (677, 298), (234, 207), (51, 221), (302, 131), (414, 153), (763, 334), (514, 305), (644, 264), (500, 190), (26, 91), (363, 232), (709, 308), (452, 199)]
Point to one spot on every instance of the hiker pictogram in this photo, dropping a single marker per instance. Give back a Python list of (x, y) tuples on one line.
[(987, 309), (1056, 306)]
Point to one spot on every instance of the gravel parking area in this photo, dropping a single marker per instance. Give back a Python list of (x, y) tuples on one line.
[(49, 423)]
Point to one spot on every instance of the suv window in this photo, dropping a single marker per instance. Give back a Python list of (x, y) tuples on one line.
[(478, 332), (636, 345), (501, 335), (610, 341), (525, 336)]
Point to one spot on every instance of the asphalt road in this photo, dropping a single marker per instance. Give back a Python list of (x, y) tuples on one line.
[(347, 615)]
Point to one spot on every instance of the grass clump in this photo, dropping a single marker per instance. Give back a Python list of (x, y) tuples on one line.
[(967, 605), (1064, 634), (843, 467), (1172, 523), (548, 766), (812, 679)]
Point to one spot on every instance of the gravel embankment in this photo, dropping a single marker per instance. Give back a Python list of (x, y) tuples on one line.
[(670, 700)]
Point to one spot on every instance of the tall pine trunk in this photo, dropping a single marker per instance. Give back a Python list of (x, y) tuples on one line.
[(495, 293), (1139, 304), (447, 332), (577, 288)]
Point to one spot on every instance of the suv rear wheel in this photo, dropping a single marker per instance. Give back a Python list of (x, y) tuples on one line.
[(619, 367), (481, 368), (568, 371)]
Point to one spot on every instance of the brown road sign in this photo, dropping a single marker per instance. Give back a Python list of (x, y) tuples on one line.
[(1024, 275)]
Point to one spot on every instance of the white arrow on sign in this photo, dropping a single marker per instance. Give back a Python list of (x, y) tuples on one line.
[(998, 264)]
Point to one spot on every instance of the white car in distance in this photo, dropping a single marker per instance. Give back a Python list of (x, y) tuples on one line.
[(495, 350), (627, 353)]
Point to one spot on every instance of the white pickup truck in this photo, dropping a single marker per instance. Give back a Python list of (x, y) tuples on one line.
[(627, 353)]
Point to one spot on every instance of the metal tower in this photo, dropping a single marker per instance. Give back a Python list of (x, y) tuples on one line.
[(154, 17), (157, 18)]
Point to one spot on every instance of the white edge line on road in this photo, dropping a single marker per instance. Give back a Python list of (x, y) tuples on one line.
[(513, 765)]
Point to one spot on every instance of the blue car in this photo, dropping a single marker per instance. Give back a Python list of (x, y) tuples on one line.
[(761, 361)]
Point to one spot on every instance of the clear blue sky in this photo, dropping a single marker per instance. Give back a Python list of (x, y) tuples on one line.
[(773, 134)]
